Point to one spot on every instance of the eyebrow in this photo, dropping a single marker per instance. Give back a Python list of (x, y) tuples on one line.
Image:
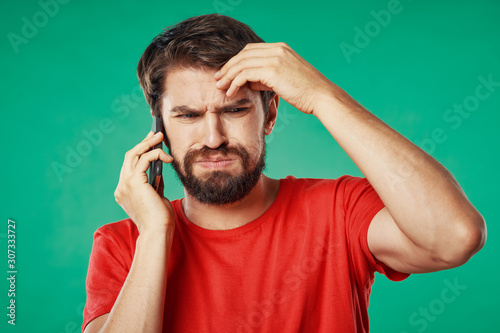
[(228, 107)]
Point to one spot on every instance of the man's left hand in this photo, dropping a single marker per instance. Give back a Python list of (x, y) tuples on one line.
[(275, 66)]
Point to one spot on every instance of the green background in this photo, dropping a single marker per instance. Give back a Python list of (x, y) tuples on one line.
[(76, 71)]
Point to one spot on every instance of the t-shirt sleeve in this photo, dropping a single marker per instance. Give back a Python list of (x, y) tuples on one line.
[(361, 204), (109, 264)]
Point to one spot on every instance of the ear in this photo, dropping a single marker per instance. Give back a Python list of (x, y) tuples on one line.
[(272, 115), (152, 114)]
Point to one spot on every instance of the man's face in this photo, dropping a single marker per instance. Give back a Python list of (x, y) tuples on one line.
[(217, 142)]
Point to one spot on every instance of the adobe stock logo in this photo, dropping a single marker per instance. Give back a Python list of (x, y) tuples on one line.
[(455, 117), (372, 29), (30, 27), (94, 137), (262, 310), (425, 315), (223, 6), (285, 117), (456, 114)]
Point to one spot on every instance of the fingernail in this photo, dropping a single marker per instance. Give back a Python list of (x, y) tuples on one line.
[(218, 83), (157, 133), (217, 74)]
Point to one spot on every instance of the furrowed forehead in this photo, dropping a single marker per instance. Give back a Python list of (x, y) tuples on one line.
[(227, 106), (194, 90)]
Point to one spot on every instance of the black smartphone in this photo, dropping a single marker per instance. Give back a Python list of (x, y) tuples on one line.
[(155, 168)]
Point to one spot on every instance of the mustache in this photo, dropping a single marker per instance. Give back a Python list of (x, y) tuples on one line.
[(224, 149)]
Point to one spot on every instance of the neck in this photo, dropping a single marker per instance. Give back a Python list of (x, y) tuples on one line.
[(233, 215)]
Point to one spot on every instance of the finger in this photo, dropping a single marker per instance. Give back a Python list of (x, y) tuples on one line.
[(133, 155), (244, 55), (130, 154), (259, 86), (146, 159), (244, 63), (250, 50), (252, 85), (252, 75)]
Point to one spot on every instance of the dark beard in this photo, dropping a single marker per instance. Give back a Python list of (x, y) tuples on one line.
[(220, 188)]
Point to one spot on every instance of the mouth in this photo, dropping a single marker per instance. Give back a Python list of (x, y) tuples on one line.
[(215, 163)]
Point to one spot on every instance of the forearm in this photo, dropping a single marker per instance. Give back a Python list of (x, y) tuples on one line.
[(140, 304), (421, 195)]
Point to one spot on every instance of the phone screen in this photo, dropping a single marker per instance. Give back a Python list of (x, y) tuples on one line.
[(155, 168)]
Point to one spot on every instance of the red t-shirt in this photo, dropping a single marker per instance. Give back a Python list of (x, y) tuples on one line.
[(302, 266)]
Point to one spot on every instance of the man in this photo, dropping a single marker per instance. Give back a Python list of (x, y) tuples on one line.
[(246, 253)]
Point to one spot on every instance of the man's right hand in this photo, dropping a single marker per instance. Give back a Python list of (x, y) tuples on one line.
[(148, 209), (134, 309)]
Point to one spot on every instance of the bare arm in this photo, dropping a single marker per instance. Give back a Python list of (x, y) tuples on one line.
[(140, 305), (428, 223)]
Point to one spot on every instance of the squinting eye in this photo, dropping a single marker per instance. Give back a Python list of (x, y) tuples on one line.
[(187, 115), (237, 110)]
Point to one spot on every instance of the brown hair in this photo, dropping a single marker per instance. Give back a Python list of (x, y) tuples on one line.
[(206, 41)]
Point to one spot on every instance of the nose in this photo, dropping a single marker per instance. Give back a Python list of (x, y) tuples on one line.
[(214, 132)]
